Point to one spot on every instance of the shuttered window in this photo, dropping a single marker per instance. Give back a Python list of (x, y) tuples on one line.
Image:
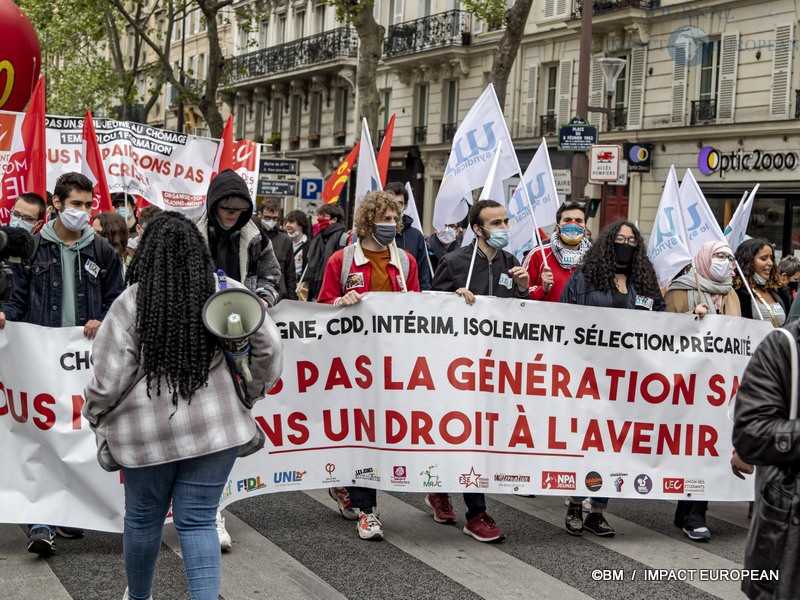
[(780, 92)]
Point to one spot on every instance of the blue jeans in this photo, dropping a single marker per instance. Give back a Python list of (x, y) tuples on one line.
[(194, 486)]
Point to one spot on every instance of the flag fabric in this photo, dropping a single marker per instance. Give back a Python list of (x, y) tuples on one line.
[(541, 196), (474, 147), (493, 186), (383, 153), (26, 169), (333, 187), (92, 166), (667, 247), (411, 209), (223, 159), (367, 177), (737, 227), (701, 224)]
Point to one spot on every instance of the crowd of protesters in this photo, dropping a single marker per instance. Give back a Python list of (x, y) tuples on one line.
[(87, 270)]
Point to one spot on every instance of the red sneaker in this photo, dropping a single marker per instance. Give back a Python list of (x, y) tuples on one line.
[(483, 529), (442, 508)]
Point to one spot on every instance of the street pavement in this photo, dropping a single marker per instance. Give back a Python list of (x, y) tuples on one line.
[(295, 546)]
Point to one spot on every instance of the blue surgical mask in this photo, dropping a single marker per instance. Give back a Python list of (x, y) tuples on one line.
[(499, 238), (760, 281), (123, 211), (17, 222), (571, 233)]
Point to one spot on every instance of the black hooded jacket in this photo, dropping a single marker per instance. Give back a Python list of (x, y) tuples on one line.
[(412, 241)]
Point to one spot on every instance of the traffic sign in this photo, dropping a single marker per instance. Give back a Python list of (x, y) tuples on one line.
[(273, 187), (577, 136), (277, 166), (604, 163), (311, 188)]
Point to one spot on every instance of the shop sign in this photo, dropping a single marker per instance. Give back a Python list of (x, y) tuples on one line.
[(710, 161)]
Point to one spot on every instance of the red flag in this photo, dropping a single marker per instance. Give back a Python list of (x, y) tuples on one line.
[(224, 156), (26, 170), (383, 154), (333, 187), (92, 166)]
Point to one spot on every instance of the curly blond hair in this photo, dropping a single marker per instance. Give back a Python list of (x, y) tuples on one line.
[(373, 206)]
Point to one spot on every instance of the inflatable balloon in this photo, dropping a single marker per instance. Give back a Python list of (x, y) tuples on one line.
[(20, 57)]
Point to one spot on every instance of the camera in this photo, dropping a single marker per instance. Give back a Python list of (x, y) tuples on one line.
[(16, 246)]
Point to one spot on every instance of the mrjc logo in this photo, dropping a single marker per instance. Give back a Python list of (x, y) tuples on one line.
[(687, 45)]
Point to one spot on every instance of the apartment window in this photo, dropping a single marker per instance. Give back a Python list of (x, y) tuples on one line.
[(621, 92), (281, 29), (395, 11), (315, 120), (319, 18), (259, 129), (451, 101), (709, 71), (421, 127), (551, 96), (241, 120), (299, 24), (277, 115), (242, 37), (194, 68), (343, 104), (263, 32), (296, 114), (177, 29), (426, 8), (196, 18), (387, 107)]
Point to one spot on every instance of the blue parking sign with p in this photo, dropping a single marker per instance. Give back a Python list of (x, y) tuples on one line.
[(310, 188)]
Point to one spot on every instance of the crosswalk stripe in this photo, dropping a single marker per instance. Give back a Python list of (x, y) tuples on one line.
[(24, 573), (482, 568), (255, 565), (732, 512), (638, 543)]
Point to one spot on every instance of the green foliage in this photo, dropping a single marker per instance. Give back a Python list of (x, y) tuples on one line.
[(491, 11), (347, 9)]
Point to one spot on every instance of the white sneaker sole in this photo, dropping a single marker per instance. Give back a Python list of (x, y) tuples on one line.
[(435, 518), (498, 538)]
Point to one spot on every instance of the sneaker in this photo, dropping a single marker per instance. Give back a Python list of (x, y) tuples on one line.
[(597, 524), (342, 498), (369, 527), (587, 505), (224, 537), (574, 519), (698, 534), (442, 508), (41, 541), (483, 529), (127, 597), (71, 533)]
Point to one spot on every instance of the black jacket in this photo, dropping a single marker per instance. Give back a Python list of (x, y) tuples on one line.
[(579, 291), (284, 252), (413, 242), (322, 247), (436, 250), (746, 301), (454, 268), (764, 436)]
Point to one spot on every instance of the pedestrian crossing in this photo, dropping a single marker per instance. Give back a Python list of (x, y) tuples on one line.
[(295, 546)]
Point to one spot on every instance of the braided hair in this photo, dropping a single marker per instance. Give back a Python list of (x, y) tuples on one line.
[(599, 263), (173, 268)]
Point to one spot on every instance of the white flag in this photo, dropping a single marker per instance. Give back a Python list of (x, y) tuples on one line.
[(667, 247), (367, 177), (737, 227), (543, 197), (493, 186), (701, 224), (411, 209), (474, 147)]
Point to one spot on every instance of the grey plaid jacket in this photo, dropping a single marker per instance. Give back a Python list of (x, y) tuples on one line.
[(136, 431)]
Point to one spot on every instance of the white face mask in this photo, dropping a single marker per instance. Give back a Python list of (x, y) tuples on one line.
[(295, 233), (446, 235), (74, 219), (721, 269), (269, 224)]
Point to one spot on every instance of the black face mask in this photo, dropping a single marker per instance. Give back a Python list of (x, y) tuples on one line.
[(624, 253)]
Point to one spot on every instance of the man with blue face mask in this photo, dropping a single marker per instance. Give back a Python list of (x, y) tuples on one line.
[(498, 273), (125, 206), (28, 212), (71, 280)]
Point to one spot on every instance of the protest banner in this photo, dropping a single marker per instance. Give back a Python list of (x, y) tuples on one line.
[(420, 393)]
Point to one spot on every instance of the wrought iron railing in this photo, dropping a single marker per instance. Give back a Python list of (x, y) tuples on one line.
[(322, 47), (451, 28), (449, 131), (548, 125), (704, 111), (420, 134), (617, 119), (603, 6)]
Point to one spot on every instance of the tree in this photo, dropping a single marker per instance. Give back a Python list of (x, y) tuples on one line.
[(203, 95), (494, 12), (359, 14)]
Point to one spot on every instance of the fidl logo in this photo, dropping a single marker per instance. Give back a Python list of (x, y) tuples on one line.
[(288, 476), (249, 484)]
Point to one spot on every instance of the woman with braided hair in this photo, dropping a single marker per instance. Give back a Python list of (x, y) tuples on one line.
[(164, 408)]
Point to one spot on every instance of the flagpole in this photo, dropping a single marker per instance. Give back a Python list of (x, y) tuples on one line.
[(749, 291), (472, 262)]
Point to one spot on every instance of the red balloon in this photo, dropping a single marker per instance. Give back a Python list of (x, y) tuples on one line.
[(20, 57)]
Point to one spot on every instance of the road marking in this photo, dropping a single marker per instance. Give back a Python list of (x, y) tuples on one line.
[(26, 576)]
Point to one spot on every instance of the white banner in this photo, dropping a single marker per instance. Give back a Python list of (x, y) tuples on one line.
[(411, 393)]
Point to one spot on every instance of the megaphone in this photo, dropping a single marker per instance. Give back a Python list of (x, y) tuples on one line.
[(233, 315)]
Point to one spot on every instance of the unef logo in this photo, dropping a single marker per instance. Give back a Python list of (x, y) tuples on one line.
[(673, 485), (249, 484), (467, 147)]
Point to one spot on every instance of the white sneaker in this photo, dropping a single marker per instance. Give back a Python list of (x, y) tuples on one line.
[(126, 597), (369, 526), (224, 536)]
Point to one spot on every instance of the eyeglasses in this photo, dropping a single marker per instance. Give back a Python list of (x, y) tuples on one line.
[(232, 209), (621, 239), (722, 256), (24, 218)]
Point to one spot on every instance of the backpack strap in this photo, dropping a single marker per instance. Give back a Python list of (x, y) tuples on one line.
[(348, 255), (403, 256), (343, 239), (100, 254)]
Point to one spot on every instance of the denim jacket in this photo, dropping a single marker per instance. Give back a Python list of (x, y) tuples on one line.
[(37, 298)]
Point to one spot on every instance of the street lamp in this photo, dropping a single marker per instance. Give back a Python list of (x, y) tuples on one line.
[(611, 68)]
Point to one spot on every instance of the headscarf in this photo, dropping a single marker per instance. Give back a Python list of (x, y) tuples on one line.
[(702, 264)]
